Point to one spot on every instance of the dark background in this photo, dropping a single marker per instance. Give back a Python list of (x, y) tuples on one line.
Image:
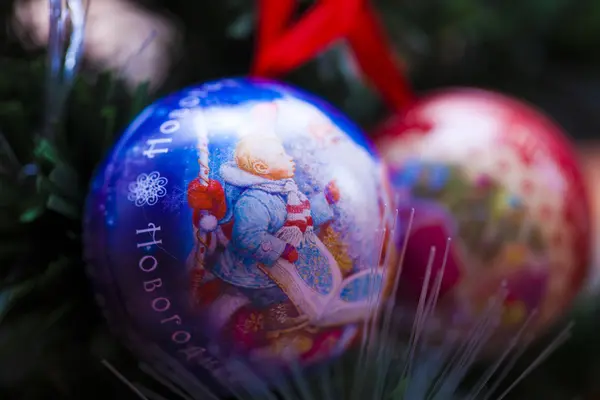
[(543, 51)]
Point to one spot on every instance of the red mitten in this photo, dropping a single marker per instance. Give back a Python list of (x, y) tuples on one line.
[(290, 253), (198, 196), (209, 197), (219, 204), (332, 193)]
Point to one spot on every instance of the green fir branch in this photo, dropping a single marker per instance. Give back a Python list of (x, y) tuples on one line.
[(48, 317)]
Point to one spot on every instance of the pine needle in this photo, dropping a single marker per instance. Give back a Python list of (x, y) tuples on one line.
[(45, 301), (122, 378), (383, 367)]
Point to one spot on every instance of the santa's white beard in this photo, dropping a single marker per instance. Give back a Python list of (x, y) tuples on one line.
[(120, 36)]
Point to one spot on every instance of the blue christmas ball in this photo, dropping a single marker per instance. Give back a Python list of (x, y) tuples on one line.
[(239, 221)]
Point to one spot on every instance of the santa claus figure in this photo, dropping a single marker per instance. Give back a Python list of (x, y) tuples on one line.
[(240, 239)]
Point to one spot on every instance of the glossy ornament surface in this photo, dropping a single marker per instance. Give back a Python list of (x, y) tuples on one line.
[(500, 180), (239, 219)]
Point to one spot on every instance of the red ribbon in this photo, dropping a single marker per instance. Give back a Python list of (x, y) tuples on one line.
[(280, 50), (273, 17), (376, 60)]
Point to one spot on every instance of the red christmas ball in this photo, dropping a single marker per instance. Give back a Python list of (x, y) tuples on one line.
[(503, 182)]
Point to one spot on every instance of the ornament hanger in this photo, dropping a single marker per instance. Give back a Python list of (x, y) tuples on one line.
[(281, 49), (63, 63)]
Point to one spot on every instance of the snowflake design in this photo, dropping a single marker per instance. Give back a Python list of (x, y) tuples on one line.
[(147, 189), (175, 200), (280, 313), (253, 323)]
